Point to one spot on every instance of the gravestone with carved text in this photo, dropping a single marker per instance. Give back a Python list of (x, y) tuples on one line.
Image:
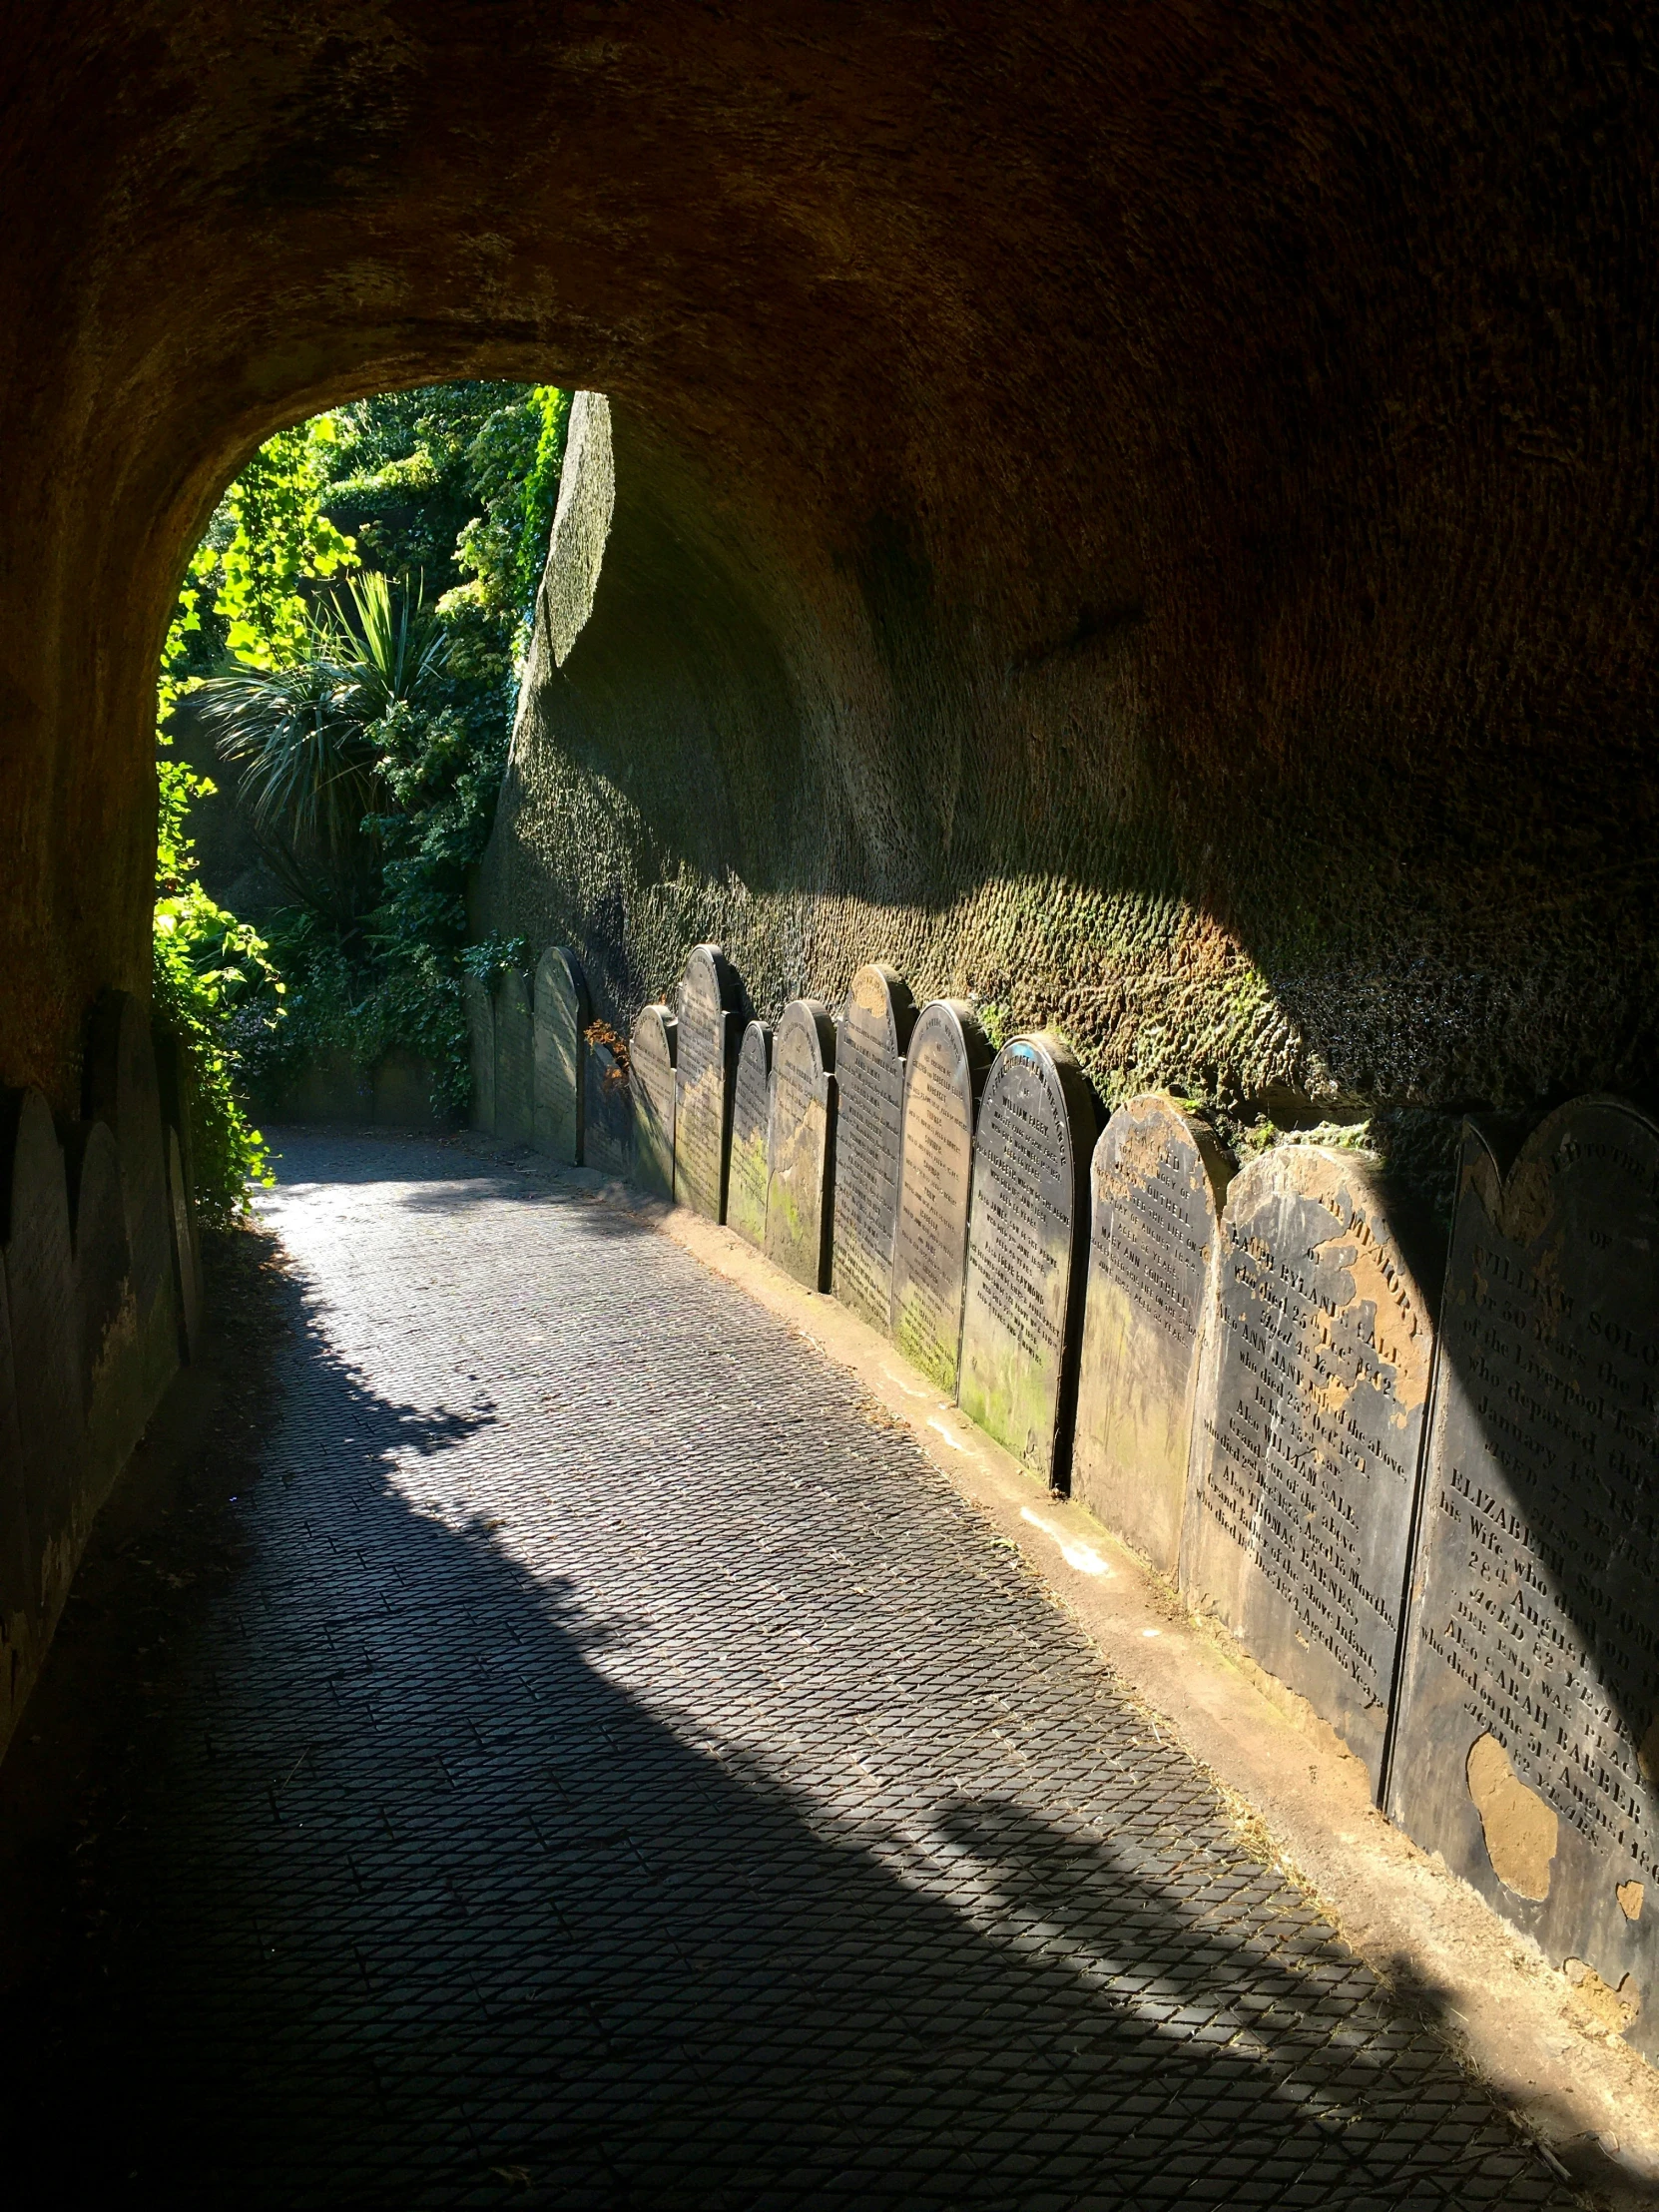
[(1527, 1749), (514, 1059), (479, 1008), (872, 1039), (1308, 1443), (608, 1100), (801, 1148), (1028, 1241), (944, 1073), (46, 1337), (709, 1002), (561, 1013), (650, 1055), (121, 1086), (746, 1188), (1156, 1185)]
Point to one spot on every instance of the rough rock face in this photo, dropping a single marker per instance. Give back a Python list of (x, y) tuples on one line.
[(1142, 514)]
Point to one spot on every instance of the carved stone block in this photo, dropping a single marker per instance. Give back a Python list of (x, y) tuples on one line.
[(1028, 1243), (801, 1143), (709, 1004), (1312, 1404), (1156, 1184), (123, 1089), (562, 1013), (651, 1054), (480, 1030), (514, 1059), (1528, 1746), (944, 1073), (111, 1356), (870, 1042), (746, 1188), (46, 1343)]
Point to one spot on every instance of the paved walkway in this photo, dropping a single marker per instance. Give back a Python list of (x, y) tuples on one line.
[(626, 1775)]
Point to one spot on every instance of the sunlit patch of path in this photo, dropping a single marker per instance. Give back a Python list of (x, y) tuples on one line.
[(626, 1775)]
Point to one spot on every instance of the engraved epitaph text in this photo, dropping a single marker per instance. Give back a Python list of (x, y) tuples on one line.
[(801, 1148), (651, 1052), (944, 1073), (745, 1189), (871, 1037), (709, 999), (561, 1015)]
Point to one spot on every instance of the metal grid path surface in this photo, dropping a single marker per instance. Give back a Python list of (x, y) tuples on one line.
[(626, 1775)]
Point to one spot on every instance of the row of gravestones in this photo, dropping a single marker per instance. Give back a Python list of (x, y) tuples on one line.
[(1445, 1538), (99, 1302)]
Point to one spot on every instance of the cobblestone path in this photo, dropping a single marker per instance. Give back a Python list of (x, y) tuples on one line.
[(626, 1775)]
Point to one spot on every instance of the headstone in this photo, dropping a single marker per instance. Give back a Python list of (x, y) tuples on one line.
[(651, 1053), (401, 1089), (1028, 1241), (1156, 1184), (872, 1039), (46, 1341), (176, 1072), (185, 1253), (19, 1592), (480, 1030), (1311, 1405), (111, 1362), (608, 1101), (746, 1188), (801, 1144), (514, 1057), (122, 1088), (1527, 1745), (710, 1007), (562, 1013), (944, 1074)]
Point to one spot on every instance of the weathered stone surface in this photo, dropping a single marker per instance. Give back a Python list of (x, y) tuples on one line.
[(480, 1026), (944, 1073), (514, 1059), (401, 1090), (185, 1260), (872, 1039), (176, 1076), (1156, 1187), (111, 1358), (608, 1101), (750, 1169), (46, 1342), (19, 1594), (562, 1013), (1309, 1442), (122, 1088), (709, 1002), (801, 1144), (1027, 1246), (1527, 1745), (650, 1055)]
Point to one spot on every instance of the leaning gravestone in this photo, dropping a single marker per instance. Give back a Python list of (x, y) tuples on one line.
[(608, 1101), (481, 1031), (1312, 1397), (709, 1002), (1157, 1184), (111, 1360), (944, 1074), (651, 1054), (746, 1188), (1527, 1746), (801, 1146), (1026, 1247), (514, 1059), (187, 1264), (122, 1087), (562, 1012), (870, 1041), (46, 1343)]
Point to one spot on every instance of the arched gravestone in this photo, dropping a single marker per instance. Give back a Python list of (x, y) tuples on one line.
[(19, 1591), (122, 1088), (111, 1360), (1027, 1242), (176, 1078), (1309, 1442), (480, 1030), (607, 1101), (651, 1054), (944, 1073), (46, 1342), (745, 1187), (514, 1059), (1156, 1185), (562, 1012), (185, 1250), (709, 1002), (1527, 1744), (801, 1144), (870, 1042)]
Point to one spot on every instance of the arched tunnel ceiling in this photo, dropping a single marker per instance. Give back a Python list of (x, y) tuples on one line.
[(1201, 458)]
